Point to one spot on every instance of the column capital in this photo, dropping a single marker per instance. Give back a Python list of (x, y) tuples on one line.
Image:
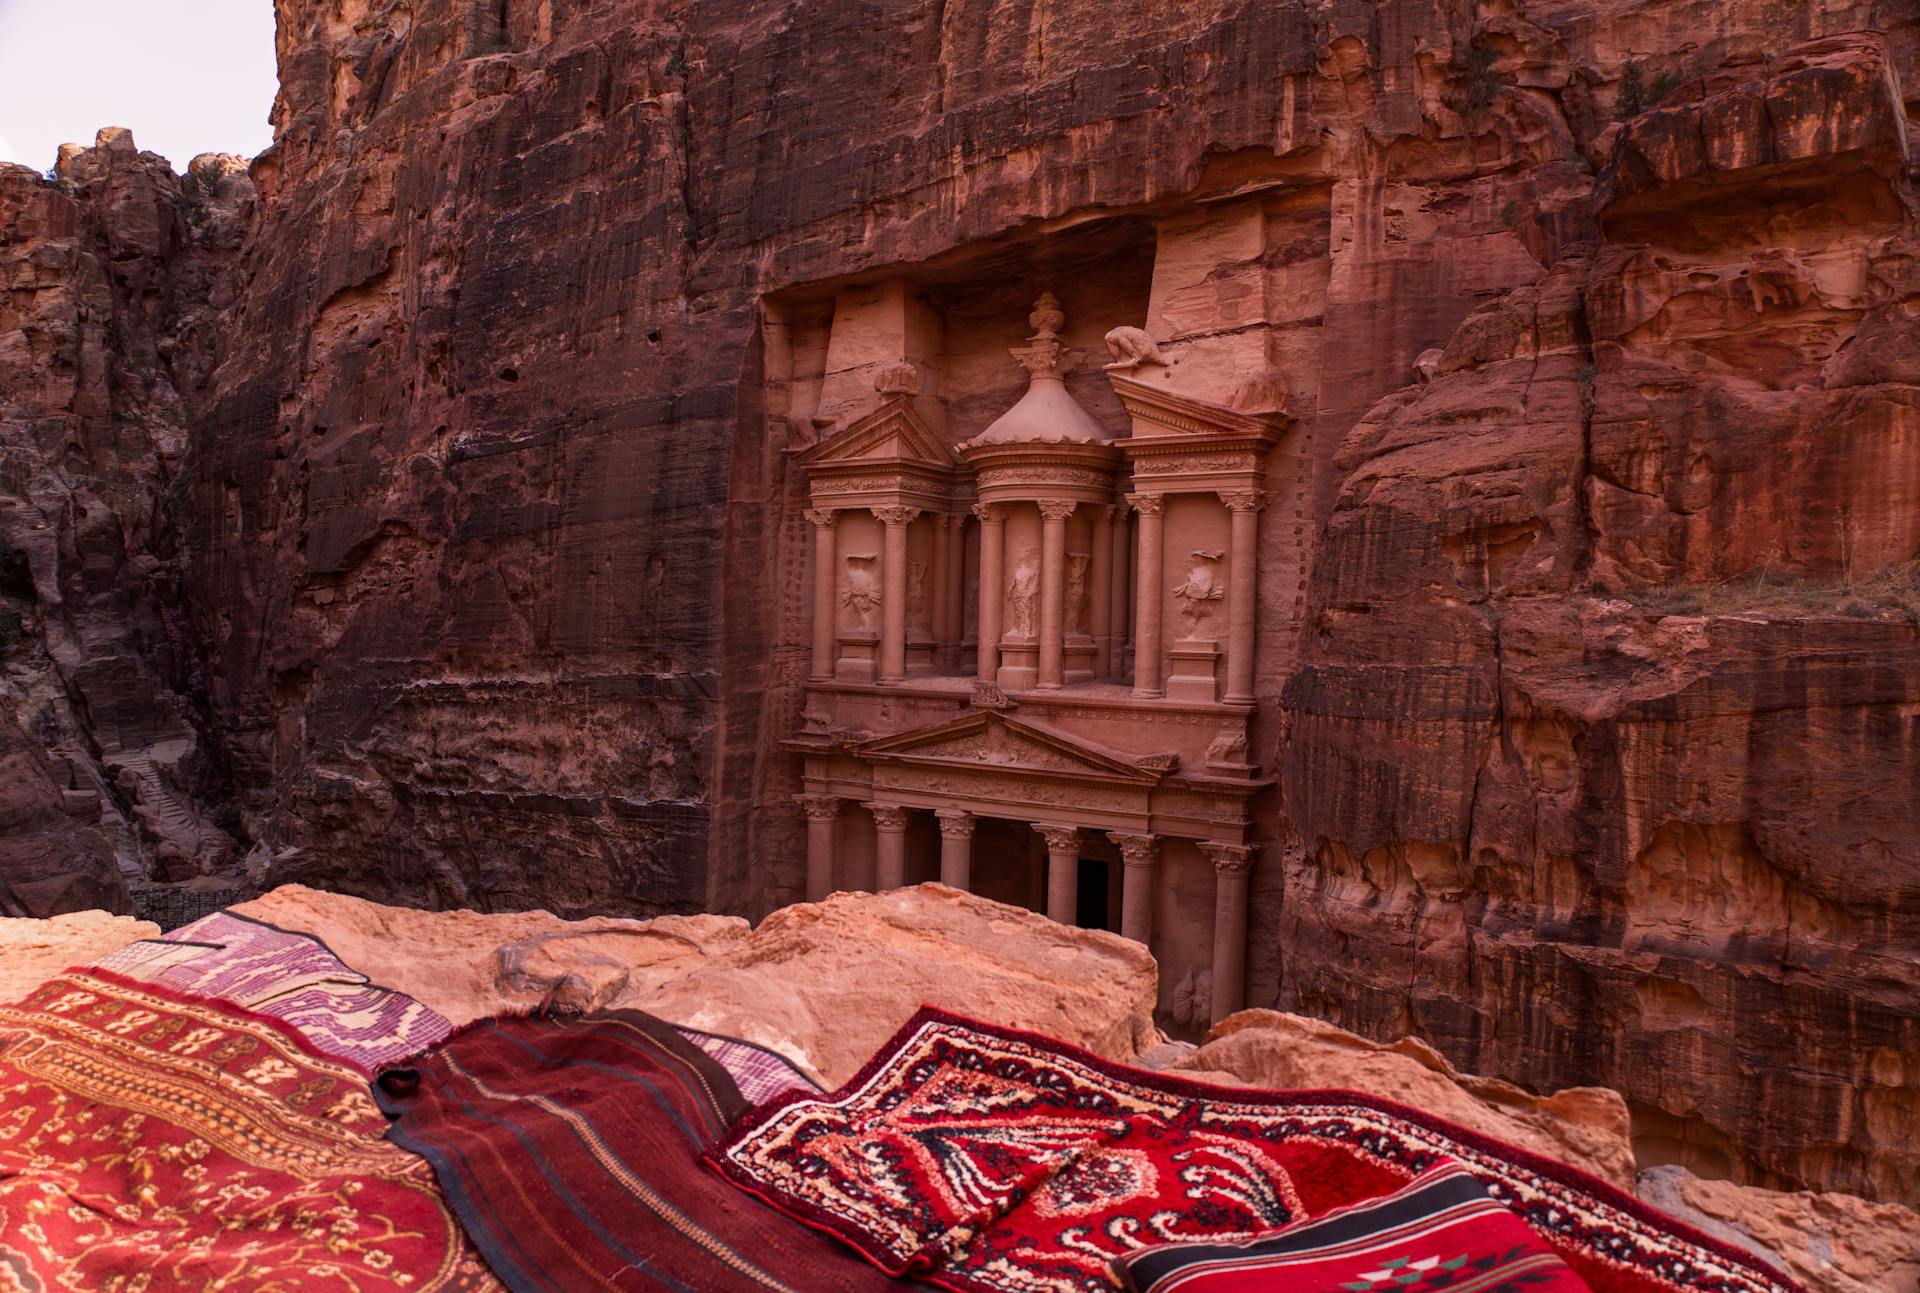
[(819, 807), (1057, 509), (955, 823), (822, 516), (1110, 512), (1243, 500), (988, 513), (1136, 850), (894, 515), (1147, 504), (952, 520), (1059, 838), (888, 817), (1229, 859)]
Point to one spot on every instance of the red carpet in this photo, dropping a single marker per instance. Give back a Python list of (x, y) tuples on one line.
[(1001, 1162), (153, 1141), (571, 1149)]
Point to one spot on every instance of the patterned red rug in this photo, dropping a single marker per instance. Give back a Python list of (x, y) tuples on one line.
[(155, 1141), (290, 976), (571, 1149), (1001, 1162)]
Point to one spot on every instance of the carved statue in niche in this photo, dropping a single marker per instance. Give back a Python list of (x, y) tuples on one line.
[(918, 613), (862, 595), (1201, 589), (1077, 563), (1023, 594)]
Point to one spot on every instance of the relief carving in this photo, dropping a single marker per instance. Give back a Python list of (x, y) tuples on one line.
[(862, 591), (1202, 588), (1077, 623), (1131, 347), (1023, 594), (919, 614)]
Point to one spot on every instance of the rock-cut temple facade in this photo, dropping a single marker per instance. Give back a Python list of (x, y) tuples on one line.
[(1032, 650)]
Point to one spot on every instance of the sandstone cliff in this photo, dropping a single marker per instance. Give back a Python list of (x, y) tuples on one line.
[(1591, 683)]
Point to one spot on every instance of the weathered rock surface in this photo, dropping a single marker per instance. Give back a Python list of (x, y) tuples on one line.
[(826, 983), (33, 950), (468, 965), (1591, 684), (1585, 1126), (1603, 748), (114, 271), (1835, 1243)]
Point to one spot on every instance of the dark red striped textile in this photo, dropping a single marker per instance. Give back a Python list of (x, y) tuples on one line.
[(570, 1150)]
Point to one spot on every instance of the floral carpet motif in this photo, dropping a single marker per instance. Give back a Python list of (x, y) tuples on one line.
[(289, 976), (151, 1140), (998, 1161)]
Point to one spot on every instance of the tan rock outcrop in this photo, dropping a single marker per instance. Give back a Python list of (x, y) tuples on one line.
[(470, 965), (34, 950), (1833, 1243), (826, 983), (1585, 1126)]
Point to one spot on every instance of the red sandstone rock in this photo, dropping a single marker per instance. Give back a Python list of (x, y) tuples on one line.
[(498, 565)]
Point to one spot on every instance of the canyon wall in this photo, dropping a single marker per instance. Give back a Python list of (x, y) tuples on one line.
[(1589, 680)]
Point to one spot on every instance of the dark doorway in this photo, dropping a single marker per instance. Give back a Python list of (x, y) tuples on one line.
[(1090, 909)]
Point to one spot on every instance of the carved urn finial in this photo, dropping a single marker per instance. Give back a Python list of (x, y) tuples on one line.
[(1047, 318)]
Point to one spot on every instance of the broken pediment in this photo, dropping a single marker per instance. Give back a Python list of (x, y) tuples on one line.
[(1002, 742), (892, 436), (1157, 412)]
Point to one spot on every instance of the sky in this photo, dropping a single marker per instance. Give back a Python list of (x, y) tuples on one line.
[(186, 76)]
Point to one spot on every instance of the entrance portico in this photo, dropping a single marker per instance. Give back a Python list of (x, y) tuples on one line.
[(1075, 795)]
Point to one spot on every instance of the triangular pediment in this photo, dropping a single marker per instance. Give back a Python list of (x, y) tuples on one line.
[(995, 740), (1158, 411), (892, 435)]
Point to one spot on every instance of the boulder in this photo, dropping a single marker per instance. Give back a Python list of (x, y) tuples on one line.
[(1833, 1243), (825, 983), (1587, 1127), (469, 965), (33, 951)]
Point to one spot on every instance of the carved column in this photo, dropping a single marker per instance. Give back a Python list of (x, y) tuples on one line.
[(1232, 864), (993, 551), (1053, 589), (893, 582), (956, 847), (1101, 595), (1063, 871), (937, 584), (823, 578), (1139, 852), (1242, 591), (954, 644), (890, 845), (1148, 597), (821, 812), (1120, 571)]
